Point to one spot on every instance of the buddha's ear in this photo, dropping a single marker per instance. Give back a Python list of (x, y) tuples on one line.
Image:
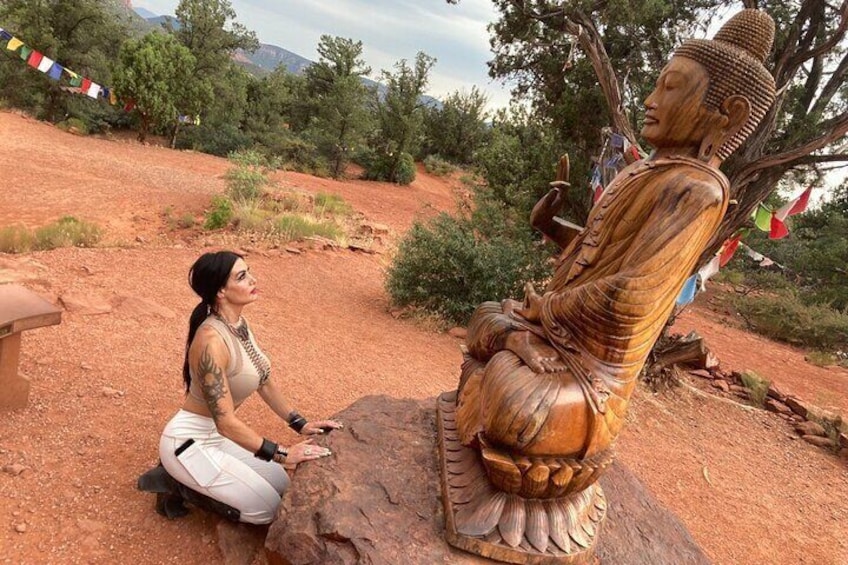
[(727, 122), (737, 108)]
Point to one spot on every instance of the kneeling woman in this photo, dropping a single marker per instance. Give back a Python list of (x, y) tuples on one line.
[(205, 446)]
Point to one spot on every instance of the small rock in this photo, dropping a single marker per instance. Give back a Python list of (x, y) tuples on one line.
[(777, 407), (843, 440), (738, 388), (20, 528), (735, 377), (818, 441), (458, 333), (14, 469), (361, 248), (85, 366), (797, 406), (810, 429), (111, 392), (293, 250), (774, 392), (843, 452), (703, 373), (722, 385), (140, 239)]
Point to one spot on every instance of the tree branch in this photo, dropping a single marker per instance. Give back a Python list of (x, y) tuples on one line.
[(803, 56), (834, 129)]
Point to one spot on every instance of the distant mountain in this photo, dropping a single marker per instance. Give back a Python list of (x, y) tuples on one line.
[(146, 14), (268, 57)]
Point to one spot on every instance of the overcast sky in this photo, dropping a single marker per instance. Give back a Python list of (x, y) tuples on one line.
[(390, 30)]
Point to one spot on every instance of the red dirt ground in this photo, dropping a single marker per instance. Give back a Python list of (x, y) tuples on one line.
[(749, 492)]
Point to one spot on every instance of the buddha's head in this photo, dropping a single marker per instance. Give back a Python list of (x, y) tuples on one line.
[(713, 92)]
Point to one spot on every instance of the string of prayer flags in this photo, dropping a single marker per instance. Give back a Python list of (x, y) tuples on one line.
[(54, 70), (774, 221)]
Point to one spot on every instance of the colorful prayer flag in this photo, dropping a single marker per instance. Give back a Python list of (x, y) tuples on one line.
[(617, 141), (34, 59), (794, 206), (86, 84), (5, 35), (25, 52), (728, 249), (45, 64), (778, 229), (687, 293), (55, 71), (93, 90), (76, 80), (710, 269), (762, 218), (14, 43), (112, 98)]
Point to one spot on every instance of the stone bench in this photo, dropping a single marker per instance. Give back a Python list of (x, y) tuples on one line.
[(20, 310)]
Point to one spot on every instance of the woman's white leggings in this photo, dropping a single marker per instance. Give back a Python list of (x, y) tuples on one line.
[(221, 469)]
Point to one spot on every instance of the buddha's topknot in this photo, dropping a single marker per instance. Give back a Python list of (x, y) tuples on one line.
[(734, 62)]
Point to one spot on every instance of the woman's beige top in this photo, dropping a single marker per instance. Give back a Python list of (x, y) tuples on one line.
[(243, 378)]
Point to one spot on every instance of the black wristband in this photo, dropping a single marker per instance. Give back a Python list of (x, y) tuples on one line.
[(267, 451), (297, 422)]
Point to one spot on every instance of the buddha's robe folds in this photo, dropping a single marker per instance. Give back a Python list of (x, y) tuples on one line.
[(613, 289)]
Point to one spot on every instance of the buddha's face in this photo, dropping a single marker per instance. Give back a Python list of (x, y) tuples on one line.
[(675, 115)]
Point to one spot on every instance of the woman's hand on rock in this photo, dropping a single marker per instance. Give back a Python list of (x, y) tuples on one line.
[(320, 427), (306, 451)]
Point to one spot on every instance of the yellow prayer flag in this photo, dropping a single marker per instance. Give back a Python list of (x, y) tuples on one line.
[(14, 43)]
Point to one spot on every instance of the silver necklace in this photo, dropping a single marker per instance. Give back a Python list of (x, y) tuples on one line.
[(242, 333)]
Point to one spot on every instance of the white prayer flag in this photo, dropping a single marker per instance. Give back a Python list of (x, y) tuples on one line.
[(93, 90), (45, 64)]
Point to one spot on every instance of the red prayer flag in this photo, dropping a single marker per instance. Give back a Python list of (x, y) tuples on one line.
[(599, 191), (35, 59), (129, 105), (86, 84), (728, 249), (778, 228), (795, 206)]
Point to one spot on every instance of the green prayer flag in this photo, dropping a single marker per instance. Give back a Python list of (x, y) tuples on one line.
[(76, 81), (25, 52), (762, 218)]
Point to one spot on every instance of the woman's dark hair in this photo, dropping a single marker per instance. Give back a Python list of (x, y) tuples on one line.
[(206, 277)]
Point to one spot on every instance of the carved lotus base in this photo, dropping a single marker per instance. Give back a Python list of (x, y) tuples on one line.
[(506, 527)]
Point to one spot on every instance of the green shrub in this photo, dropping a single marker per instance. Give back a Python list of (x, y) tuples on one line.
[(784, 317), (448, 268), (220, 139), (66, 232), (291, 227), (331, 205), (757, 387), (389, 167), (15, 239), (186, 221), (220, 214), (435, 165), (249, 216), (73, 125)]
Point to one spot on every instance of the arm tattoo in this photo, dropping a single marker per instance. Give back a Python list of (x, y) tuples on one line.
[(211, 383)]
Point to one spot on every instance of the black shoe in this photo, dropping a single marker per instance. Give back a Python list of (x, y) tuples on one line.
[(172, 495)]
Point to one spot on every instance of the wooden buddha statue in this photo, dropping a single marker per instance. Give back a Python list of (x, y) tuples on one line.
[(546, 382)]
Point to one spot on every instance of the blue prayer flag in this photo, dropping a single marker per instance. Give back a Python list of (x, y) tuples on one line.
[(687, 294), (55, 71)]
